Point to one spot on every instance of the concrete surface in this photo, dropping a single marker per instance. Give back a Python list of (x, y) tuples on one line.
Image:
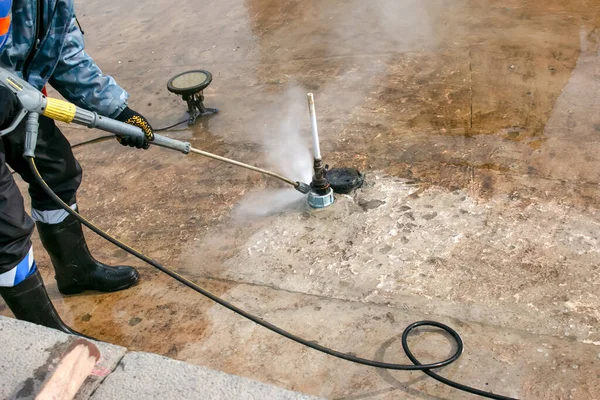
[(507, 361), (477, 123), (31, 352), (434, 251), (149, 376)]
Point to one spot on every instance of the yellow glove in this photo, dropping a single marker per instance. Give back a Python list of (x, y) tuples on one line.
[(134, 118)]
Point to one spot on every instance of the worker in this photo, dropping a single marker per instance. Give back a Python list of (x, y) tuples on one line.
[(41, 41)]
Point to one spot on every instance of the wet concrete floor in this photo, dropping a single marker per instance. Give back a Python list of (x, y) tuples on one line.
[(477, 124)]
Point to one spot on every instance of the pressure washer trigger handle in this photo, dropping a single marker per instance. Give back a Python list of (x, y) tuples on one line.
[(15, 122), (30, 99)]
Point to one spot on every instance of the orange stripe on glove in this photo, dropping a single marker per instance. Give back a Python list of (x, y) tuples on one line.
[(4, 25)]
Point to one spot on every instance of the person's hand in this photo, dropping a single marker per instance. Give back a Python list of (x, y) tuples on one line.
[(9, 106), (134, 118)]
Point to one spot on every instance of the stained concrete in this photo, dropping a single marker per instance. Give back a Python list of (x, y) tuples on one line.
[(507, 361), (480, 116)]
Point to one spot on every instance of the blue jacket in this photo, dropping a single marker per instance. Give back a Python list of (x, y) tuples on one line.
[(59, 59), (4, 20)]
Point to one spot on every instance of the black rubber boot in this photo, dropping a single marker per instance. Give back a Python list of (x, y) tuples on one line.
[(29, 301), (76, 269)]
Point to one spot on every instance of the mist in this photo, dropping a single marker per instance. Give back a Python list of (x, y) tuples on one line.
[(405, 25), (285, 139)]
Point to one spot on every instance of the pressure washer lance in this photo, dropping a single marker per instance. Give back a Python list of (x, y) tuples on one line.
[(34, 104)]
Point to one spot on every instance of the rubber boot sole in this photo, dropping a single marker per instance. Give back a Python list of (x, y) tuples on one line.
[(77, 289)]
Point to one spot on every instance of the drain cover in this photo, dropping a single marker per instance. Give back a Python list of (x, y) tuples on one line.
[(190, 85), (344, 180), (189, 82)]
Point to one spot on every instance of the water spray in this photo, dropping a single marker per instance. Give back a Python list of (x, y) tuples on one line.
[(321, 193)]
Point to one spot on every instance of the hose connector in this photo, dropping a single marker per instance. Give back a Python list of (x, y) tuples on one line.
[(302, 187)]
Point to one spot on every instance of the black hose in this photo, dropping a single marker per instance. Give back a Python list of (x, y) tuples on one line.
[(437, 377), (85, 142), (171, 126), (311, 344), (94, 140)]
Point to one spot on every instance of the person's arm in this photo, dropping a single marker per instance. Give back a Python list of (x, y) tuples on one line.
[(80, 81)]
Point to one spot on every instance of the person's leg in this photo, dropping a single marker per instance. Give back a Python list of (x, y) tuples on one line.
[(21, 285), (62, 234)]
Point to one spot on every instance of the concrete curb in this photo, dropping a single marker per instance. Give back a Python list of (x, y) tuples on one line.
[(31, 352), (149, 376)]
